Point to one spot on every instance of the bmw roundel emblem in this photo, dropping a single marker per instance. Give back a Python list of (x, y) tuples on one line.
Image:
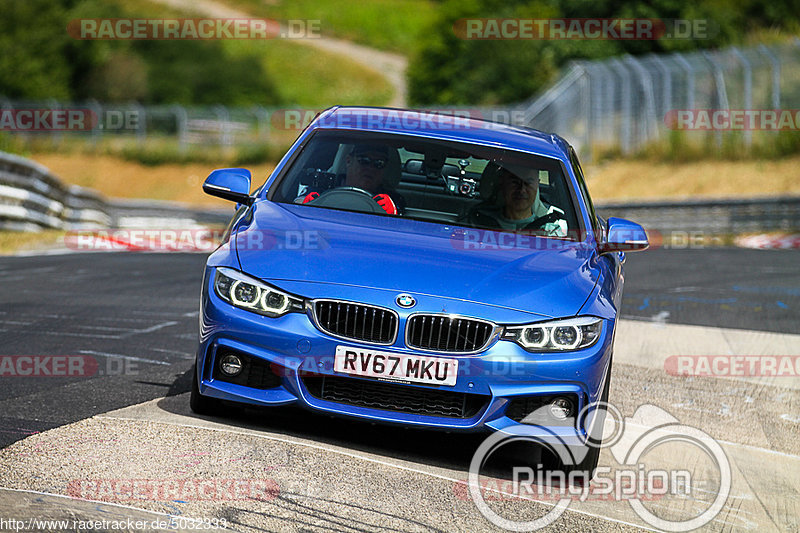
[(405, 300)]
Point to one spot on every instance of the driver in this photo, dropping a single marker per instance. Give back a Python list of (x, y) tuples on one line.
[(365, 168), (519, 206)]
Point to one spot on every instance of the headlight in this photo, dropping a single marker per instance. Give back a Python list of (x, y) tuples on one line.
[(251, 294), (556, 336)]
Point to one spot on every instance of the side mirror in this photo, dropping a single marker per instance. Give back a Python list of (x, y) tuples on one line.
[(624, 236), (231, 184)]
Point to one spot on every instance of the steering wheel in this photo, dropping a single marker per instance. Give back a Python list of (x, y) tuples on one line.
[(539, 223), (351, 198)]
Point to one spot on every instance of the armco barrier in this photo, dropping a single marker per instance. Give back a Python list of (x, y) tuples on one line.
[(31, 198), (714, 216)]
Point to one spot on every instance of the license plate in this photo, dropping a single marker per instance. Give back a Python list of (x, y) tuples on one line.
[(395, 366)]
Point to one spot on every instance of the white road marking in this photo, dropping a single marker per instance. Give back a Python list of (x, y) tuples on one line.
[(367, 459), (104, 328), (149, 330), (126, 357)]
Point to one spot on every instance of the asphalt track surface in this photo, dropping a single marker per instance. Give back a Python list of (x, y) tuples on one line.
[(135, 316)]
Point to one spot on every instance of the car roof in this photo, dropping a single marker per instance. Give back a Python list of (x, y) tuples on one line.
[(444, 126)]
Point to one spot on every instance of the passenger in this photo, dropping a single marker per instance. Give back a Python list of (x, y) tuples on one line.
[(515, 205)]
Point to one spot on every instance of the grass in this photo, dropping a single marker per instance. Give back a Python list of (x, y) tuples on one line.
[(156, 150), (308, 77), (633, 179), (17, 241), (682, 146), (116, 177), (393, 25), (302, 75)]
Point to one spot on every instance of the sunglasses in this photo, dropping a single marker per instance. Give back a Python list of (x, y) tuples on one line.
[(517, 183), (377, 162)]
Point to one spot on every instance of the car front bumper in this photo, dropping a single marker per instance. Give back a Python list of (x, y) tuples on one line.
[(300, 359)]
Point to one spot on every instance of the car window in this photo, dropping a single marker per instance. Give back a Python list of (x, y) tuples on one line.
[(431, 180)]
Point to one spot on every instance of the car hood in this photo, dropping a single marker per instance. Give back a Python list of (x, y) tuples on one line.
[(549, 277)]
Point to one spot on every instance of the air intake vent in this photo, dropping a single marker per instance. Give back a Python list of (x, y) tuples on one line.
[(443, 333), (393, 397), (356, 322)]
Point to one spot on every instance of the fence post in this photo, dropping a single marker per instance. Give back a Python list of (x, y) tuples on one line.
[(141, 122), (722, 95), (225, 122), (689, 79), (97, 109), (666, 85), (262, 116), (586, 110), (776, 76), (181, 118), (646, 82), (748, 90), (625, 119)]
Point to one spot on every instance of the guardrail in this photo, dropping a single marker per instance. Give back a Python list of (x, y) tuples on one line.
[(32, 198), (712, 217)]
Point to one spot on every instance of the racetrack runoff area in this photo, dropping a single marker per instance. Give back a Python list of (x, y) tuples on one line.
[(317, 473), (276, 471)]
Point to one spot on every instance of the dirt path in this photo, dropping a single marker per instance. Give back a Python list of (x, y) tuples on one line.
[(391, 66)]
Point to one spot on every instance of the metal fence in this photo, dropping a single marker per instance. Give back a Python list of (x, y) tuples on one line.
[(198, 125), (628, 102), (625, 103), (622, 103)]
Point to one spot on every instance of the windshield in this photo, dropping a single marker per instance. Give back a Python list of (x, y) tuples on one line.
[(431, 180)]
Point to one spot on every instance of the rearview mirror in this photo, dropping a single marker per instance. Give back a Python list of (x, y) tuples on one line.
[(231, 184), (624, 236)]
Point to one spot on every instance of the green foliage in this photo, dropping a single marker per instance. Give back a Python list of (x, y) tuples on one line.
[(385, 24), (39, 60), (40, 71), (11, 144), (447, 69), (203, 73)]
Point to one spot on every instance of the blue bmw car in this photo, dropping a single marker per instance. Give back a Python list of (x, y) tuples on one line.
[(419, 269)]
